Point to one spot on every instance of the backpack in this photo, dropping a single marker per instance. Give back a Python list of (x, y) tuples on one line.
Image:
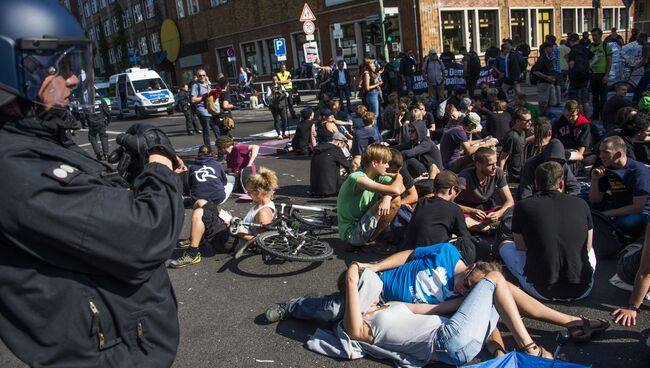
[(474, 67), (536, 67), (580, 70)]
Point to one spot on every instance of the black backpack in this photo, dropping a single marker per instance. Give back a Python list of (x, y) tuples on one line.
[(533, 77), (474, 67), (580, 70)]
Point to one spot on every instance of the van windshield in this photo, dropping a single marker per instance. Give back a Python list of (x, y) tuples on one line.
[(102, 92), (144, 85)]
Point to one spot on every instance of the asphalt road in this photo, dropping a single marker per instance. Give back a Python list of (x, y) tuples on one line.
[(222, 301)]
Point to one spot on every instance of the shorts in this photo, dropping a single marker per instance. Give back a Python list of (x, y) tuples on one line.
[(363, 229), (579, 94), (214, 225), (515, 261), (543, 92)]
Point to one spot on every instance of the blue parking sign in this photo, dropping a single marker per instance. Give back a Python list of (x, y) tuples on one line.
[(280, 47)]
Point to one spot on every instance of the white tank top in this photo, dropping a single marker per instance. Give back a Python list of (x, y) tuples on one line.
[(252, 213), (396, 328)]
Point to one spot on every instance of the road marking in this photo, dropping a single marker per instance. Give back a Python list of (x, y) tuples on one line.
[(88, 144)]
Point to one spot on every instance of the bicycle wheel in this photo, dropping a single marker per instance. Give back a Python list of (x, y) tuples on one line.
[(311, 248), (316, 219)]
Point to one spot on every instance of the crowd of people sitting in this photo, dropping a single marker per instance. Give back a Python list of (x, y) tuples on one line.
[(458, 184)]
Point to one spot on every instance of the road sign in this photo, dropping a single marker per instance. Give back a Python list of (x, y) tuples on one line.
[(339, 51), (282, 58), (310, 37), (308, 27), (230, 52), (311, 51), (391, 10), (338, 32), (307, 14), (280, 47)]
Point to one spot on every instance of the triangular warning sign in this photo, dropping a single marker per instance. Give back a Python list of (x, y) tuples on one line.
[(307, 14)]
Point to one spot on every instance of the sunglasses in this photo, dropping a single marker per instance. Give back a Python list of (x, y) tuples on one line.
[(201, 75), (469, 272)]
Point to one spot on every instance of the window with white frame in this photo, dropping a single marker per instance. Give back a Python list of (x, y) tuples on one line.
[(588, 19), (155, 42), (87, 10), (180, 9), (577, 20), (149, 7), (273, 60), (214, 3), (476, 29), (111, 56), (137, 13), (192, 7), (115, 27), (613, 17), (249, 53), (142, 44), (530, 25), (107, 27), (608, 18), (94, 5), (125, 20)]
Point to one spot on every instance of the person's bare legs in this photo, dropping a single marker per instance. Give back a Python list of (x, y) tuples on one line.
[(507, 308), (495, 345), (200, 203), (384, 220), (197, 228)]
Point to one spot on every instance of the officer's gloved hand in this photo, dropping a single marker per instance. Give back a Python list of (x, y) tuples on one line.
[(136, 145)]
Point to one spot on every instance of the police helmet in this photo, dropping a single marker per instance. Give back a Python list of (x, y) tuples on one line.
[(46, 57)]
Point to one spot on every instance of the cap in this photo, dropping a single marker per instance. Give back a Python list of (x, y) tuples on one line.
[(327, 112), (449, 179), (644, 103), (432, 51), (465, 103), (338, 136), (473, 118)]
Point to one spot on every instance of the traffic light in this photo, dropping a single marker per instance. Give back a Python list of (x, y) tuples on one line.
[(375, 32), (388, 30)]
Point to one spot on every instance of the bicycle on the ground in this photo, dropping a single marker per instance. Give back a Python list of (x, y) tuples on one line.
[(291, 235)]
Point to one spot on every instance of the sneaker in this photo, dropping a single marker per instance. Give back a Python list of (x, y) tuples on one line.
[(276, 312), (185, 260), (183, 244)]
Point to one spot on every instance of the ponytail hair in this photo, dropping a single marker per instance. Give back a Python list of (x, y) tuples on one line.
[(265, 181)]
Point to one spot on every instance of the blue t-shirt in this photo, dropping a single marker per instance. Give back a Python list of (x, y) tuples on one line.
[(363, 138), (427, 278), (631, 180)]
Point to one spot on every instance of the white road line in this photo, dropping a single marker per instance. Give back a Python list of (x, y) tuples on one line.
[(88, 144)]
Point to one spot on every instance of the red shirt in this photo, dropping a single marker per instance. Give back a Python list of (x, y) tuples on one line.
[(239, 158)]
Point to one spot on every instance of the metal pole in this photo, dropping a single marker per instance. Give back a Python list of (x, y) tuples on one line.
[(417, 31), (382, 18)]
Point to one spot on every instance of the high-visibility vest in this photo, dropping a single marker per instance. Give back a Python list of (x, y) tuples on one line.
[(283, 77)]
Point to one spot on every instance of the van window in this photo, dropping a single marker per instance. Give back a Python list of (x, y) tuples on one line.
[(102, 92), (111, 90), (144, 85)]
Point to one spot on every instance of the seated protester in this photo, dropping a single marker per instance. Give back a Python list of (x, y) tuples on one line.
[(304, 140), (329, 165), (436, 218), (520, 101), (357, 119), (403, 118), (458, 94), (611, 107), (364, 137), (368, 199), (574, 131), (498, 122), (453, 116), (326, 127), (545, 149), (626, 316), (428, 118), (240, 159), (335, 106), (420, 153), (511, 158), (627, 184), (484, 181), (456, 148), (388, 115), (551, 256), (208, 180), (396, 165), (633, 132)]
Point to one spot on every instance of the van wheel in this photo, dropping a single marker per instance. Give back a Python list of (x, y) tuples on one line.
[(139, 114)]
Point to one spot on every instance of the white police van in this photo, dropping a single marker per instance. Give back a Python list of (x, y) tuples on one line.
[(139, 92)]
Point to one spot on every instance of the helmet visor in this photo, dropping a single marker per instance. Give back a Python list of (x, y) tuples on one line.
[(56, 74)]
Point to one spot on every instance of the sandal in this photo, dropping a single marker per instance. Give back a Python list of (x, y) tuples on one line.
[(543, 353), (584, 332)]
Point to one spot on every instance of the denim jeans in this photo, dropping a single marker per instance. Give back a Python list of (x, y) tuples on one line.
[(461, 338), (372, 101), (344, 95), (328, 308), (632, 225), (205, 129)]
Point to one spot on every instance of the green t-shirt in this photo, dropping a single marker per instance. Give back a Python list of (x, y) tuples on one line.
[(601, 50), (352, 204), (534, 110)]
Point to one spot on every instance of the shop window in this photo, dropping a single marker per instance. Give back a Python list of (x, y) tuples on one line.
[(519, 29), (608, 19), (299, 40), (452, 30), (227, 67), (250, 56), (568, 21), (588, 20), (544, 23), (349, 44), (488, 25)]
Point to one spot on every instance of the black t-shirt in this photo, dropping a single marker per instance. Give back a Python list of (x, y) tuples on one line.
[(302, 137), (498, 124), (480, 195), (514, 144), (554, 226), (434, 221), (574, 135), (447, 58), (429, 119), (579, 54)]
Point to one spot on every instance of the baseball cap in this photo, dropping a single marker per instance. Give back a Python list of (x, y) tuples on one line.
[(338, 136), (465, 103), (449, 179), (473, 118)]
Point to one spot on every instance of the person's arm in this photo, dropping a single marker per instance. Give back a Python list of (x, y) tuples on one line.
[(395, 188), (253, 151), (353, 323), (445, 308), (196, 96), (472, 146), (520, 244), (474, 212), (503, 158), (393, 261), (627, 316), (595, 195), (608, 67), (577, 154), (313, 135), (508, 201), (637, 206), (411, 197)]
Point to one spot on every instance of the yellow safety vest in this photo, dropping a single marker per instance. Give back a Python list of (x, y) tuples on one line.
[(283, 77)]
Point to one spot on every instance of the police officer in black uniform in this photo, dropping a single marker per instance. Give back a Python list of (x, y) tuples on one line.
[(183, 98), (82, 273), (97, 122)]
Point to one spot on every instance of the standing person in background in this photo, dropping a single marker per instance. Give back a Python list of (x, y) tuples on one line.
[(433, 71), (371, 83), (97, 124), (507, 66), (642, 40), (556, 94), (284, 77), (200, 89), (408, 67), (278, 100), (584, 40), (185, 106), (341, 76), (599, 71), (243, 77), (543, 70), (564, 67), (578, 62), (472, 66)]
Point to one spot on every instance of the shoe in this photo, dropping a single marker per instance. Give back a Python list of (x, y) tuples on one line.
[(185, 260), (183, 244), (190, 133), (101, 157), (276, 312), (286, 136), (583, 332)]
